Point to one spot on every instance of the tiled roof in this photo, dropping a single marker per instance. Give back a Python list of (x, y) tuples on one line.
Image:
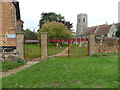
[(99, 30), (103, 30), (89, 30)]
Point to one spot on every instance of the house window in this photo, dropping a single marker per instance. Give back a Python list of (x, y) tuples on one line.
[(83, 19)]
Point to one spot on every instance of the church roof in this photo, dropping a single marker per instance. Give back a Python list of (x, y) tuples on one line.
[(89, 30), (98, 30), (102, 30)]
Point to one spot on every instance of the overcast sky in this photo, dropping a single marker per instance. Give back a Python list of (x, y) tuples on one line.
[(99, 11)]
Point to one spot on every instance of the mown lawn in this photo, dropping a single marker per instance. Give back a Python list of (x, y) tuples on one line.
[(53, 49), (34, 50), (77, 52), (88, 72)]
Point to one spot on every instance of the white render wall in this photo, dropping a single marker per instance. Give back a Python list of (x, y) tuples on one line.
[(112, 31)]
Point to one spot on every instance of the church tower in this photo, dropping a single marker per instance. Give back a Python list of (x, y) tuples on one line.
[(82, 23), (119, 12)]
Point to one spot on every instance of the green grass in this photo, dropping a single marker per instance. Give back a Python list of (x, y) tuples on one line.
[(0, 83), (87, 72), (10, 65), (52, 49), (76, 52), (34, 50)]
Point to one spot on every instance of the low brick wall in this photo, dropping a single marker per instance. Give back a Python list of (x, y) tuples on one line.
[(109, 45)]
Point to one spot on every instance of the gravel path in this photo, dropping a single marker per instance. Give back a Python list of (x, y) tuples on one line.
[(30, 63)]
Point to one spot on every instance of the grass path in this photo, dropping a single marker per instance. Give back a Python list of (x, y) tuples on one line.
[(30, 63)]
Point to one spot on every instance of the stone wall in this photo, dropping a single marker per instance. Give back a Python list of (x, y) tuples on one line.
[(91, 45), (20, 45), (108, 45), (43, 45)]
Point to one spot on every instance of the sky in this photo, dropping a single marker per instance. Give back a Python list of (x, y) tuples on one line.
[(98, 11)]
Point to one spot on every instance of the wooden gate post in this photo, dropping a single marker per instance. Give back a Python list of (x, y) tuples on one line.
[(91, 43), (43, 45)]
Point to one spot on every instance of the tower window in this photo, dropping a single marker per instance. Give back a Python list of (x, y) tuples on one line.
[(83, 19), (78, 20)]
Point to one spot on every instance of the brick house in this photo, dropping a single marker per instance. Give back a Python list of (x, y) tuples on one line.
[(10, 24)]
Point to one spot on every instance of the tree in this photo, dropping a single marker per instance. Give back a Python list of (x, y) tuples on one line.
[(67, 23), (118, 32), (56, 30), (29, 34), (51, 16)]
